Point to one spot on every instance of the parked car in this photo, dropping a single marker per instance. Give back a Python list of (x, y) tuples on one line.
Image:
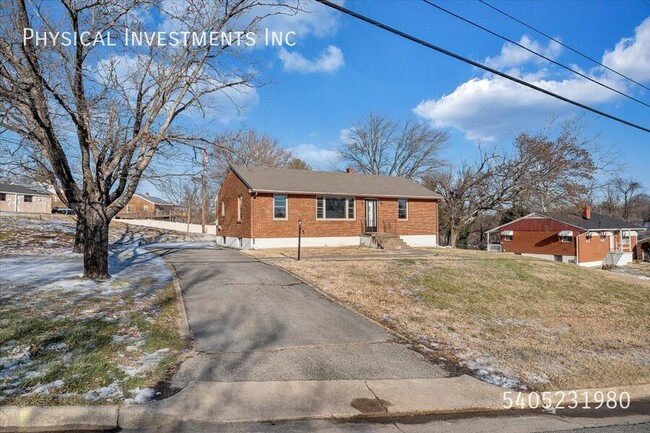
[(63, 210)]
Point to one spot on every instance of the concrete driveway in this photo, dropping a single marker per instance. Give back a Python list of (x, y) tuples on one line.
[(253, 322)]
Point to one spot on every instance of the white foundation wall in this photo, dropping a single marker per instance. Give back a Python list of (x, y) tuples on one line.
[(420, 240), (346, 241), (592, 264), (565, 259), (625, 259), (232, 242)]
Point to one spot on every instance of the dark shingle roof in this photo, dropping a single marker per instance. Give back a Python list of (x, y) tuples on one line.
[(155, 200), (284, 180), (18, 189), (597, 221)]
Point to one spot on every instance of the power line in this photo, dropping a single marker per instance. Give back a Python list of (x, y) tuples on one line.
[(568, 68), (473, 63), (563, 44)]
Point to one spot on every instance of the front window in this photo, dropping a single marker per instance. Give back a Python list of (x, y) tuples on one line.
[(402, 208), (506, 237), (239, 209), (28, 198), (566, 239), (335, 208), (223, 208), (280, 206), (146, 207), (128, 208)]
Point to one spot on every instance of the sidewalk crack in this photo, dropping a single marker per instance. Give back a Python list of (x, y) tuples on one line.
[(381, 403)]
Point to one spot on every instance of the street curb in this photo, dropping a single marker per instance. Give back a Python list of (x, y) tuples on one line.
[(57, 418), (184, 328), (97, 418)]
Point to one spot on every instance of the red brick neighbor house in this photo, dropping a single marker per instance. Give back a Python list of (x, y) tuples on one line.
[(145, 206), (589, 239), (262, 208)]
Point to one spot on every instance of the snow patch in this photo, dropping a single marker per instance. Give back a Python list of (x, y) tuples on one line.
[(140, 396)]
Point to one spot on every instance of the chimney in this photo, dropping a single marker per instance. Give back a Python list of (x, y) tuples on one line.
[(349, 170), (586, 212)]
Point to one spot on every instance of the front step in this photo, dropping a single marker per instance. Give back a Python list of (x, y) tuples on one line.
[(612, 258), (389, 241)]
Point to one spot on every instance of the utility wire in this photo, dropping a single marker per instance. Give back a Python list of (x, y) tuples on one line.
[(563, 44), (533, 52), (473, 63)]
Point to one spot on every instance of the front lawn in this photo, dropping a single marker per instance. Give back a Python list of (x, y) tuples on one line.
[(511, 320), (68, 341)]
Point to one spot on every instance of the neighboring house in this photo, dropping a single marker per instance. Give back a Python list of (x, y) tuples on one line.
[(262, 208), (18, 198), (145, 206), (589, 239), (643, 250)]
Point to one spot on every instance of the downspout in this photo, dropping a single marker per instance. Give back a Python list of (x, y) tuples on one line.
[(578, 249), (253, 200)]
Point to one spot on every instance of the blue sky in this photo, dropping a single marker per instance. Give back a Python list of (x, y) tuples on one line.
[(341, 69)]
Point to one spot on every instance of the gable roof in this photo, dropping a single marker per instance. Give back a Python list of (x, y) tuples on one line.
[(597, 221), (18, 189), (291, 181), (154, 200)]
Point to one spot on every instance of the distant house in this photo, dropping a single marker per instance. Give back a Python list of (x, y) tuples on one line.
[(18, 198), (262, 208), (146, 206), (589, 239)]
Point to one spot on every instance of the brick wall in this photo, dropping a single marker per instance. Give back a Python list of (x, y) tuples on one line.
[(140, 208), (258, 216), (422, 218), (231, 189), (539, 242), (593, 250)]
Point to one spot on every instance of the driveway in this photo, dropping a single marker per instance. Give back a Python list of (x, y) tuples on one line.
[(253, 322)]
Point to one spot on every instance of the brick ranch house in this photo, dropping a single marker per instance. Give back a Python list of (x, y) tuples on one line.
[(20, 199), (145, 206), (261, 208), (589, 239)]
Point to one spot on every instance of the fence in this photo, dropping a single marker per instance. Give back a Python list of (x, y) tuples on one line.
[(168, 225)]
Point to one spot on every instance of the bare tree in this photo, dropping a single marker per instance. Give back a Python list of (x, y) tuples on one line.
[(298, 164), (247, 147), (544, 172), (97, 116), (627, 189), (380, 145)]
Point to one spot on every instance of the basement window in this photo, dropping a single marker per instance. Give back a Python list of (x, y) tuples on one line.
[(3, 196), (28, 198)]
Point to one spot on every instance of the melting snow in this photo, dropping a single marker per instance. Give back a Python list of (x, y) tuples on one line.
[(140, 396)]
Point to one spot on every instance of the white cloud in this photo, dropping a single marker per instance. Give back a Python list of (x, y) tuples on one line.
[(317, 157), (511, 55), (345, 135), (631, 56), (330, 60), (491, 108)]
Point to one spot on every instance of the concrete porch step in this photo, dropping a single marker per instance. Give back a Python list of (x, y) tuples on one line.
[(389, 241)]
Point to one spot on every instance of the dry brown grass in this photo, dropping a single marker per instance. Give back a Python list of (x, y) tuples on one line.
[(549, 325)]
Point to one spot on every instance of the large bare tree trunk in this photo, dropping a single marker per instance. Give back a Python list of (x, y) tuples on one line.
[(95, 247), (79, 235), (453, 237)]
